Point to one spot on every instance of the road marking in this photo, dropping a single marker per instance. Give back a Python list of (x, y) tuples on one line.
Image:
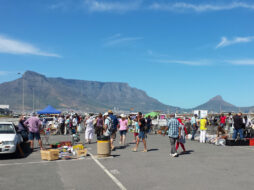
[(43, 162), (246, 148), (116, 172), (117, 182)]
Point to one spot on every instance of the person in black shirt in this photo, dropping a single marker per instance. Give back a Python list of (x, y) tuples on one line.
[(148, 124), (238, 126), (142, 132)]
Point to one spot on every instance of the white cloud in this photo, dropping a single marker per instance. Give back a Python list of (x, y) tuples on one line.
[(2, 73), (184, 62), (225, 42), (182, 6), (11, 46), (122, 6), (112, 6), (118, 39), (241, 62)]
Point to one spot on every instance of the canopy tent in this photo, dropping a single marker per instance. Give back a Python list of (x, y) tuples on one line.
[(49, 110), (152, 114)]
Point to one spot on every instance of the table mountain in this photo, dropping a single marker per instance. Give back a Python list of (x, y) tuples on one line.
[(76, 94)]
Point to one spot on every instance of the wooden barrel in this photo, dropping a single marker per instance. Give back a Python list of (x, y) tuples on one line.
[(103, 148)]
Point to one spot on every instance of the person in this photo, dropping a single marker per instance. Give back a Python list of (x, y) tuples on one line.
[(229, 122), (181, 140), (34, 124), (142, 132), (221, 125), (203, 129), (238, 126), (44, 123), (129, 121), (67, 128), (173, 133), (89, 129), (99, 125), (136, 130), (111, 123), (194, 126), (123, 129), (74, 122), (22, 129), (149, 124), (247, 123), (61, 125)]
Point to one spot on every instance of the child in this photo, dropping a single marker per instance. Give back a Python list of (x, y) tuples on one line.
[(136, 130)]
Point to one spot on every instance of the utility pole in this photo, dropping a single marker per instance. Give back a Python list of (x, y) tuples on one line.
[(33, 100), (23, 92)]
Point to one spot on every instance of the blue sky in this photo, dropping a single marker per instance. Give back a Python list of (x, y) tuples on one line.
[(180, 52)]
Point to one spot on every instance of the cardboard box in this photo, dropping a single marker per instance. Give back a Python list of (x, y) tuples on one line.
[(81, 153), (51, 154)]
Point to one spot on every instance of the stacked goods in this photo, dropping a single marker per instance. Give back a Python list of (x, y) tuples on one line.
[(65, 143), (64, 150), (81, 153), (78, 147), (79, 150), (51, 154), (55, 145)]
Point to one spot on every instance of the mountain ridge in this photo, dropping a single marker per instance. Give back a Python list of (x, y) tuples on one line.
[(92, 96), (77, 94)]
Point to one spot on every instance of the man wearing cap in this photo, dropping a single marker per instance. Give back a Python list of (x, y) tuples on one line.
[(111, 123)]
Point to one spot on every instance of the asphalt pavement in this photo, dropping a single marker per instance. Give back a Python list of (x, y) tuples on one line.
[(205, 166)]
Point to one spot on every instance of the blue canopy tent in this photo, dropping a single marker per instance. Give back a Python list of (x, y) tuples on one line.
[(49, 110)]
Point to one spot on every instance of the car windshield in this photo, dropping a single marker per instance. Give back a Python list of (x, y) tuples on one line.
[(7, 129)]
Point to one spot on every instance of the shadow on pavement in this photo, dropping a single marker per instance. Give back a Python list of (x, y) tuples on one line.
[(187, 152), (115, 155), (26, 149), (152, 149)]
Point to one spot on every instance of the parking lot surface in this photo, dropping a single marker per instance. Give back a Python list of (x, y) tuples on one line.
[(205, 166)]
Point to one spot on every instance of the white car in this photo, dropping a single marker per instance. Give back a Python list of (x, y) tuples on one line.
[(9, 138)]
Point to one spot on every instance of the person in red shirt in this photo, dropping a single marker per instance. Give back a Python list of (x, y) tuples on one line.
[(222, 125)]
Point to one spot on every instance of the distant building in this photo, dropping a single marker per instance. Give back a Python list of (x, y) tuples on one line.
[(5, 110), (4, 106)]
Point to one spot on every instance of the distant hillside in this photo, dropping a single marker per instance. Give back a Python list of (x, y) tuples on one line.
[(76, 94), (217, 104)]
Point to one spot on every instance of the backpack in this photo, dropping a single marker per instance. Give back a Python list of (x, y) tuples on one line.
[(113, 122)]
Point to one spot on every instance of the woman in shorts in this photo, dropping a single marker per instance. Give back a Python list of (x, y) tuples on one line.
[(123, 129)]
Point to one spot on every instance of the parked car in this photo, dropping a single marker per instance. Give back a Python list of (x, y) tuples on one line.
[(9, 138)]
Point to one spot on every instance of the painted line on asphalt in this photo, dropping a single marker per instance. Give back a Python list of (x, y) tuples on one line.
[(245, 148), (43, 162), (117, 182)]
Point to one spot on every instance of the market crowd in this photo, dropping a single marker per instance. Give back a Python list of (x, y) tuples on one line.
[(106, 126)]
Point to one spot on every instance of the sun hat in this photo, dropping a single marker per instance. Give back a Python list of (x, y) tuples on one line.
[(123, 115), (110, 112)]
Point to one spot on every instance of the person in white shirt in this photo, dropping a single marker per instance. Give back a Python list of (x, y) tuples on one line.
[(74, 123), (89, 129)]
